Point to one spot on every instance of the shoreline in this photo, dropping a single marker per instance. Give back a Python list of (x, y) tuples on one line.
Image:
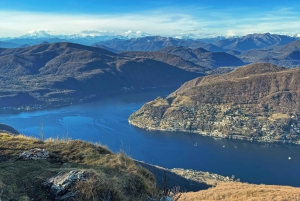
[(87, 99), (192, 175), (230, 137)]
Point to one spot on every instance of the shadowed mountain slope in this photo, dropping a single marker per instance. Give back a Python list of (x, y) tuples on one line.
[(286, 55), (169, 59), (106, 48), (4, 44), (203, 57), (64, 73), (153, 43)]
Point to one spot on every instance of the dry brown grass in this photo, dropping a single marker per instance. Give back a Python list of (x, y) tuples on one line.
[(182, 100), (277, 116), (111, 173), (160, 102), (234, 191)]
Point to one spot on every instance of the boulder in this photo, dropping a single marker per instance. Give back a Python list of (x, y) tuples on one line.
[(34, 154), (61, 184)]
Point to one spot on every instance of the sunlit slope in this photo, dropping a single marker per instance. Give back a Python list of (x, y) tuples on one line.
[(258, 102)]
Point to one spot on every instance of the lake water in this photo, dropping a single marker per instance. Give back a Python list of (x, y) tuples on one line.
[(106, 121)]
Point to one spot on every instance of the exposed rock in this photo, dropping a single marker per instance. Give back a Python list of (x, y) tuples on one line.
[(61, 184), (34, 154)]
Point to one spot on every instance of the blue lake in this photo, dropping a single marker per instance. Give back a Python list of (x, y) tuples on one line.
[(106, 121)]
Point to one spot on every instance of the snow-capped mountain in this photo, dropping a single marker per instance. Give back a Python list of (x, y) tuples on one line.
[(85, 37)]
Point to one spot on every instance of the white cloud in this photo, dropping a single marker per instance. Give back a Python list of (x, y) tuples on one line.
[(134, 34), (97, 33), (18, 23), (165, 22), (230, 33), (39, 32)]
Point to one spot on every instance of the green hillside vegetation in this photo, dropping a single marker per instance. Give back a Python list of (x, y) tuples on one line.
[(259, 102)]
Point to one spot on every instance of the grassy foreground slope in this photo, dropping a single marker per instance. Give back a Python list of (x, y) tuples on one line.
[(242, 191), (107, 173)]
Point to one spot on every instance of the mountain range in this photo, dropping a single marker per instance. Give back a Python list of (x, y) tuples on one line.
[(285, 55), (153, 43), (144, 42), (8, 45), (64, 73), (254, 41), (202, 57), (170, 59), (38, 37), (237, 44)]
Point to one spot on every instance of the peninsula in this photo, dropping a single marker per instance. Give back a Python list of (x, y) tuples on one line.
[(258, 102)]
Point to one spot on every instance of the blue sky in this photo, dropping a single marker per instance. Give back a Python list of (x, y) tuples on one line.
[(194, 18)]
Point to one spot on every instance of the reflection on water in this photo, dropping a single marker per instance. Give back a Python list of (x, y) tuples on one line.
[(106, 121)]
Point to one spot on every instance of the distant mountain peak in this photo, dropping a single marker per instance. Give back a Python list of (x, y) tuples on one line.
[(37, 34), (44, 42), (254, 41)]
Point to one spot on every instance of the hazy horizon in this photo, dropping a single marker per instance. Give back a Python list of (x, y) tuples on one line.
[(166, 18)]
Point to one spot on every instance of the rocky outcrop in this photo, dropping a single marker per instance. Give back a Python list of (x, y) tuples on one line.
[(34, 154), (61, 184), (258, 102)]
